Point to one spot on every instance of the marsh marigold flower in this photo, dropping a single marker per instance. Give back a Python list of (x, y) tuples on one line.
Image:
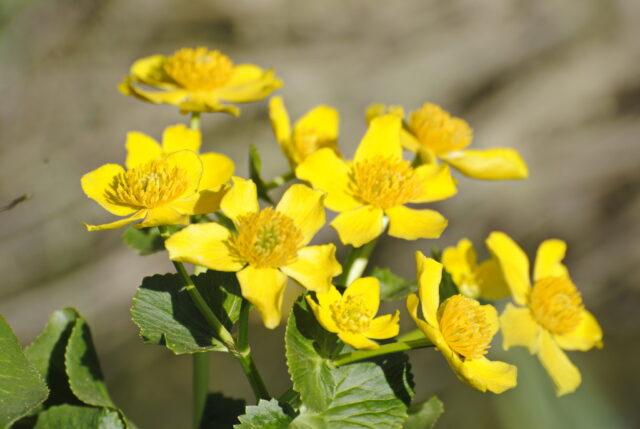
[(379, 183), (436, 135), (550, 316), (352, 314), (198, 80), (461, 329), (266, 247), (317, 129), (482, 280), (162, 184)]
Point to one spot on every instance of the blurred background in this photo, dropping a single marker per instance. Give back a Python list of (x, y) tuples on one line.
[(559, 81)]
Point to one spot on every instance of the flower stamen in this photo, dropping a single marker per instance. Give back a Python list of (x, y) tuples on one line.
[(350, 314), (465, 326), (199, 69), (556, 304)]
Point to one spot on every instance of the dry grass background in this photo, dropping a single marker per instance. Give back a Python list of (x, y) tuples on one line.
[(559, 81)]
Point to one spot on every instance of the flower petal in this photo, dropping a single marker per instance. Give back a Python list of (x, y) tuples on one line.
[(488, 164), (248, 83), (549, 260), (241, 199), (357, 341), (169, 96), (202, 202), (368, 289), (562, 371), (203, 244), (494, 376), (165, 215), (325, 299), (461, 262), (431, 332), (217, 170), (322, 124), (359, 226), (180, 137), (119, 223), (382, 139), (189, 163), (314, 267), (519, 329), (264, 288), (150, 71), (141, 149), (384, 327), (588, 334), (323, 315), (491, 281), (96, 184), (305, 207), (429, 274), (513, 263), (329, 173), (437, 183), (281, 124), (411, 224)]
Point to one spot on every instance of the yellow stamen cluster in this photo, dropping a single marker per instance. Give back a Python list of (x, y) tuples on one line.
[(383, 182), (556, 304), (350, 314), (199, 69), (438, 130), (465, 326), (266, 239), (148, 185)]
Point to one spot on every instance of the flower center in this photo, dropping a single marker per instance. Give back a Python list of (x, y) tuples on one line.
[(267, 239), (384, 182), (465, 326), (438, 130), (350, 314), (148, 185), (556, 304), (199, 68)]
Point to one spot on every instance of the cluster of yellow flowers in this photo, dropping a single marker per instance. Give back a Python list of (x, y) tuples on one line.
[(166, 184)]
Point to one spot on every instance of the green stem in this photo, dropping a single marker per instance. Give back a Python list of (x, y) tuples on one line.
[(414, 335), (194, 123), (251, 372), (243, 326), (280, 180), (357, 260), (200, 386), (398, 346)]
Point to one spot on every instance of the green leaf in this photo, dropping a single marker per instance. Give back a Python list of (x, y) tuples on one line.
[(392, 286), (72, 416), (83, 368), (47, 351), (372, 393), (265, 415), (447, 286), (143, 240), (424, 415), (166, 315), (255, 173), (22, 388), (221, 412)]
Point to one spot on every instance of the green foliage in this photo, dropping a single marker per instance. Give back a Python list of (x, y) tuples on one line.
[(22, 388), (447, 287), (372, 393), (221, 412), (143, 240), (255, 173), (166, 315), (72, 416), (265, 415), (392, 286), (424, 415)]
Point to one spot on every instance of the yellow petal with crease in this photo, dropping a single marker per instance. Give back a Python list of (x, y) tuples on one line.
[(513, 263), (188, 163), (382, 139), (314, 267), (360, 226), (150, 70), (491, 281), (325, 299), (203, 202), (203, 244), (119, 223), (264, 288), (368, 290), (494, 376), (429, 275), (564, 374), (488, 164), (436, 182), (323, 315), (329, 173), (412, 224), (248, 83), (165, 215), (180, 137), (141, 149), (384, 327), (519, 329), (549, 260), (241, 199), (588, 334), (305, 207), (217, 170), (96, 185), (358, 341)]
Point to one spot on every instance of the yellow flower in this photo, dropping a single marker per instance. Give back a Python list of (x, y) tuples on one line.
[(266, 247), (198, 80), (435, 134), (352, 315), (317, 129), (376, 183), (461, 329), (162, 184), (550, 317), (483, 280)]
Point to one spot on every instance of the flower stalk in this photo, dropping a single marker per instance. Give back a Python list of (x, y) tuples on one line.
[(358, 259), (395, 347)]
